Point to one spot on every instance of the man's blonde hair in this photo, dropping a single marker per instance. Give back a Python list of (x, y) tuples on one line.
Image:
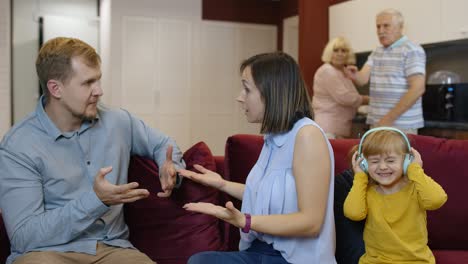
[(54, 59)]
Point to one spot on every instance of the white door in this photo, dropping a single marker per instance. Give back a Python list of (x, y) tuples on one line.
[(62, 26)]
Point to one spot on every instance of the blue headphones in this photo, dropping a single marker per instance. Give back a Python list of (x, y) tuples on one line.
[(408, 157)]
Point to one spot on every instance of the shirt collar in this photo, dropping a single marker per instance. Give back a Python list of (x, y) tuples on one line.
[(397, 43), (280, 139), (51, 128), (277, 139)]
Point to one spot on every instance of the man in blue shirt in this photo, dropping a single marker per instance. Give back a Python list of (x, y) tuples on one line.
[(64, 167)]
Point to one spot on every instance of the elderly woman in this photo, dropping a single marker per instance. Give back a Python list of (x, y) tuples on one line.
[(335, 98)]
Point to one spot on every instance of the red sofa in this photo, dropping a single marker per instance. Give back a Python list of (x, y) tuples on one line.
[(169, 234)]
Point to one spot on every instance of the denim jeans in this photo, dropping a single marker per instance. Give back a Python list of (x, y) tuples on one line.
[(258, 253)]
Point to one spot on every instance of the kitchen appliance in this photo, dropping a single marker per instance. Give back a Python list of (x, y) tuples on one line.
[(446, 102)]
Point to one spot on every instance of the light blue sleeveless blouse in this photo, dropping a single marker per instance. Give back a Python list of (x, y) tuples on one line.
[(271, 189)]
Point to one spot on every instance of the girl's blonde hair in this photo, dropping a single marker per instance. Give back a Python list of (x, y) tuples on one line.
[(381, 142), (384, 142)]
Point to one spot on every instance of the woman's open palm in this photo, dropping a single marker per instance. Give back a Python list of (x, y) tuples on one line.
[(205, 177)]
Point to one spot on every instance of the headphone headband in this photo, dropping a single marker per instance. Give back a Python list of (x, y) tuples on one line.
[(383, 128)]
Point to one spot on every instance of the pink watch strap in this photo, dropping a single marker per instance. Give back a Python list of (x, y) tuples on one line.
[(248, 221)]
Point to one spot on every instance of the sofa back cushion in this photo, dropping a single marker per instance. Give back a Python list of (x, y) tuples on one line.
[(240, 156), (160, 227), (446, 162), (341, 149)]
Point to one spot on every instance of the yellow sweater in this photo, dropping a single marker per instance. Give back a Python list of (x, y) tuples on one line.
[(396, 225)]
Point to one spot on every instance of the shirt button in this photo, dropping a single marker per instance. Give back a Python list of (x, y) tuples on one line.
[(88, 162)]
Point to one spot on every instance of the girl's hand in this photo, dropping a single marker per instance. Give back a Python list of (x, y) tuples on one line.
[(205, 177), (416, 157), (229, 213), (356, 161)]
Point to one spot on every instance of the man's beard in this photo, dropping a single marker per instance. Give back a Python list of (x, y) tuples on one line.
[(86, 116)]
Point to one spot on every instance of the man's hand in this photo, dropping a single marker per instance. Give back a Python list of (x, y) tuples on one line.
[(168, 175), (385, 121), (111, 194)]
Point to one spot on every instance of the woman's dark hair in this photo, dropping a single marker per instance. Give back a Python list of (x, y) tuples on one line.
[(279, 80)]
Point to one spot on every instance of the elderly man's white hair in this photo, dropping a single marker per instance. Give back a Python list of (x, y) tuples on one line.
[(397, 16)]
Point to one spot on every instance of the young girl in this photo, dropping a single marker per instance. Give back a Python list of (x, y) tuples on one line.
[(287, 201), (391, 190)]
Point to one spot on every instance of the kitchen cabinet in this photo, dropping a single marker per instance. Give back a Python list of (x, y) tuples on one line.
[(354, 20), (422, 19), (454, 19), (426, 21)]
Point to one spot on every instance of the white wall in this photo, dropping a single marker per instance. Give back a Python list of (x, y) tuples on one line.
[(26, 43), (5, 83), (291, 36), (176, 72)]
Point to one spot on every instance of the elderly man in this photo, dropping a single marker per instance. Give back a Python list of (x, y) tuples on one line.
[(64, 167), (397, 76)]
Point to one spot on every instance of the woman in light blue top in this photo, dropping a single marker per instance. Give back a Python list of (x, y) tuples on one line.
[(287, 201)]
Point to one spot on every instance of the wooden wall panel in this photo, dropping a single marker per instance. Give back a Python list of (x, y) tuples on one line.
[(251, 11), (313, 35), (248, 11)]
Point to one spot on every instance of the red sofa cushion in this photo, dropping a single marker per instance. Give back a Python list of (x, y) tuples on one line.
[(446, 162), (240, 156), (341, 148), (451, 256), (160, 227)]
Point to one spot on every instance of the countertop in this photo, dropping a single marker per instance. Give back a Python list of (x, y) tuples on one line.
[(360, 118)]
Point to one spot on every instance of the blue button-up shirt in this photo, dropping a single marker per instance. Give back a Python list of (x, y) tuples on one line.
[(46, 179)]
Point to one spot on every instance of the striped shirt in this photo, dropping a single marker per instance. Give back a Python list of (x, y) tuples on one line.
[(390, 68)]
